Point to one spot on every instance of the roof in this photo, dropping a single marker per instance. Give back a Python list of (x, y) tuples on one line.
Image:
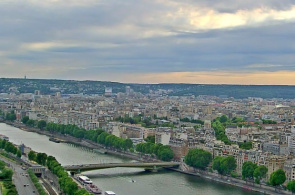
[(110, 192), (84, 177)]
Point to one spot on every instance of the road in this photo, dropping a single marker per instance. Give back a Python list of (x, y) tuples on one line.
[(21, 179)]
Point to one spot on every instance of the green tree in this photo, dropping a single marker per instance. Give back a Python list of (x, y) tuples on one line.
[(150, 138), (10, 116), (31, 123), (216, 165), (198, 158), (41, 158), (223, 119), (291, 186), (166, 154), (2, 165), (41, 124), (128, 143), (277, 178), (19, 153), (32, 156), (228, 164), (25, 119), (259, 173), (248, 169), (245, 145), (6, 174)]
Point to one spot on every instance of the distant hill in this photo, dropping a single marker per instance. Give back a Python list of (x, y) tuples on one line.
[(50, 86)]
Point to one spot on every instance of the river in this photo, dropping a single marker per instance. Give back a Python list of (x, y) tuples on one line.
[(119, 180)]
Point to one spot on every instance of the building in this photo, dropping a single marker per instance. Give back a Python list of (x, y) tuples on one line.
[(108, 92)]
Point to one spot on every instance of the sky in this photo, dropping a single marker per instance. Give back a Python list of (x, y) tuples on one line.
[(149, 41)]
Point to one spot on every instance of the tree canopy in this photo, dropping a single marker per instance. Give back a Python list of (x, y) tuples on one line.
[(224, 165), (291, 186), (259, 173), (248, 169), (198, 158), (277, 178)]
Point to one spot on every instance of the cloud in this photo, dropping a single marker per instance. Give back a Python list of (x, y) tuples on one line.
[(260, 78), (90, 38), (263, 65)]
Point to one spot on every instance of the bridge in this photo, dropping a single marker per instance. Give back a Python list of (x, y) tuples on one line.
[(153, 166)]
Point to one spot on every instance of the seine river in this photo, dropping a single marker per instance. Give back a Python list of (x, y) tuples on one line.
[(119, 180)]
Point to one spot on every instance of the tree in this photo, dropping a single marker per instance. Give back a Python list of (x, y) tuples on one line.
[(291, 186), (166, 154), (259, 173), (32, 156), (216, 165), (41, 124), (6, 174), (277, 178), (41, 158), (2, 165), (150, 138), (248, 169), (245, 145), (198, 158), (25, 119), (223, 119), (10, 116), (128, 143), (228, 164), (30, 122), (19, 153)]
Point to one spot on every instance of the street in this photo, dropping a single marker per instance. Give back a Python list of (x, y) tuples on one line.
[(21, 179)]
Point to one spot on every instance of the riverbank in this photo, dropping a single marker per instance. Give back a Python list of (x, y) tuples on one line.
[(234, 182), (204, 175)]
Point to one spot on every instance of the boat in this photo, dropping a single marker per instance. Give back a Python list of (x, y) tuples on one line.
[(109, 193), (54, 140), (93, 189), (84, 180), (99, 151)]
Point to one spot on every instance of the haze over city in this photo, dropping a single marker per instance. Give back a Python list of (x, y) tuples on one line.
[(224, 42)]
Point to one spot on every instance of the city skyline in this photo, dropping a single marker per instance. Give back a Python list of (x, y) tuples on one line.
[(162, 41)]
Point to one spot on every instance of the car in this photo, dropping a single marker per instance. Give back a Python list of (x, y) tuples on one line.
[(27, 184)]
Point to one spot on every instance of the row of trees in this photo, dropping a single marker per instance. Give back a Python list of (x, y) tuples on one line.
[(110, 140), (197, 121), (9, 147), (10, 116), (219, 125), (246, 145), (252, 172), (264, 121), (66, 183), (199, 158), (162, 152), (36, 182), (5, 178), (144, 121), (102, 137)]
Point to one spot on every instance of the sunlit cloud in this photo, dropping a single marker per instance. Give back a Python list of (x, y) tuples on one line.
[(257, 78)]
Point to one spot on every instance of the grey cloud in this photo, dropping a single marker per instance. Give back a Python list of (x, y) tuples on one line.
[(230, 6), (88, 27)]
